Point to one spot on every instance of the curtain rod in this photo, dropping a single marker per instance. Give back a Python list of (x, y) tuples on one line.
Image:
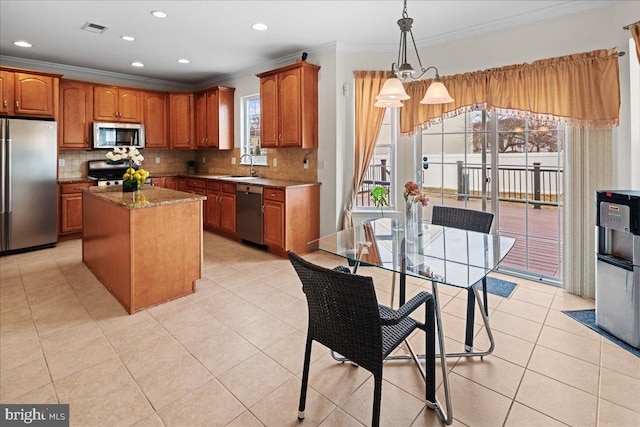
[(626, 27)]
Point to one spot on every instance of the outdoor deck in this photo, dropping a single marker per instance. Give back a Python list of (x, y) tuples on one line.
[(545, 252)]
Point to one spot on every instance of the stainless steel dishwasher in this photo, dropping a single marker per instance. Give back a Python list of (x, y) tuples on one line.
[(249, 213)]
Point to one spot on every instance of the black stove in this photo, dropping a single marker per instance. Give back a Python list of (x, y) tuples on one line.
[(107, 173)]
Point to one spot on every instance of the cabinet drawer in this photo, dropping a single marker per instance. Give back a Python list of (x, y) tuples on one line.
[(73, 188), (213, 185), (229, 188), (273, 194), (196, 183)]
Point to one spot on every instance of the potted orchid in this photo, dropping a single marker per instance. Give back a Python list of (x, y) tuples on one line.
[(132, 179)]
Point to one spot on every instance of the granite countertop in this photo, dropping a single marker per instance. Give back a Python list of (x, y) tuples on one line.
[(263, 182), (148, 197), (74, 180)]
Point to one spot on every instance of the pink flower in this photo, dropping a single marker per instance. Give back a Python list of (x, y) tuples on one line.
[(411, 188)]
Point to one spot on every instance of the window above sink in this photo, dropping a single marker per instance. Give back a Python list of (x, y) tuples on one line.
[(250, 136)]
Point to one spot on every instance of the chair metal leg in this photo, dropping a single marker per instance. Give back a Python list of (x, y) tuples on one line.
[(305, 379), (377, 397)]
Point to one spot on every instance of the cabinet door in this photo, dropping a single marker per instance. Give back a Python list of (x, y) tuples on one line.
[(71, 213), (105, 104), (225, 118), (201, 120), (6, 92), (269, 111), (159, 182), (76, 114), (228, 212), (33, 95), (172, 183), (212, 211), (274, 224), (289, 109), (130, 106), (155, 120), (181, 124), (212, 118)]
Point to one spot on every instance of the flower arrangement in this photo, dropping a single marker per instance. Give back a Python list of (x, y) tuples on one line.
[(412, 194), (132, 178)]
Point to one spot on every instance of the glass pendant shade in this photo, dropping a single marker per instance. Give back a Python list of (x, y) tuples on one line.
[(388, 103), (437, 93), (392, 90)]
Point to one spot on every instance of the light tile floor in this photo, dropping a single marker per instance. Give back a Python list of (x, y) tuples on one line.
[(231, 354)]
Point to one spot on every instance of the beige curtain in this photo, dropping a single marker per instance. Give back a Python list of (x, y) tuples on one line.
[(589, 169), (635, 33), (581, 89), (368, 122), (468, 90)]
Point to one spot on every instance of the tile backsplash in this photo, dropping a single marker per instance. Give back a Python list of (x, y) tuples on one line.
[(289, 163)]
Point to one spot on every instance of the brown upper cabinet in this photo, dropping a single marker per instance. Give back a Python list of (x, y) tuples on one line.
[(76, 115), (156, 119), (181, 120), (28, 94), (117, 104), (289, 106), (214, 118)]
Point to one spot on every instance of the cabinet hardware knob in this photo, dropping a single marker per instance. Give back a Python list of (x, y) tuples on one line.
[(17, 104), (5, 103)]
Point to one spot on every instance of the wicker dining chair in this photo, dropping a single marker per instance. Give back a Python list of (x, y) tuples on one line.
[(344, 315), (466, 219)]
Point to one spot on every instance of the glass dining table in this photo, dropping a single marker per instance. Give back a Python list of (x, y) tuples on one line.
[(441, 255)]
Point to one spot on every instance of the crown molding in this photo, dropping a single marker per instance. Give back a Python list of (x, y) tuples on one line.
[(148, 82)]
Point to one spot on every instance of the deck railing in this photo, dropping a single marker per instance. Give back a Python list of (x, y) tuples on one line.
[(543, 186), (376, 175)]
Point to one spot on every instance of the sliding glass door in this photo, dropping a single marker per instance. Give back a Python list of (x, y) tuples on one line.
[(507, 165)]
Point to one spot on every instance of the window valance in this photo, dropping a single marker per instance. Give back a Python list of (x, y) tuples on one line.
[(582, 90)]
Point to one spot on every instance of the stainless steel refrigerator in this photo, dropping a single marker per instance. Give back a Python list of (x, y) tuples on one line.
[(28, 184)]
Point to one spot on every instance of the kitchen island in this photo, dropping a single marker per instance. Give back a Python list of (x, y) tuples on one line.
[(146, 246)]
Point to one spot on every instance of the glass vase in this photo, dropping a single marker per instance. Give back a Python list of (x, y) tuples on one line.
[(129, 185), (412, 223)]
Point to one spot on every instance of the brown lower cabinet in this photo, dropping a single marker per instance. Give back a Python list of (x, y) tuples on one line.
[(220, 211), (291, 218), (70, 210)]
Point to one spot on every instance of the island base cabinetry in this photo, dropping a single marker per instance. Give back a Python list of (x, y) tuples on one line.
[(143, 256)]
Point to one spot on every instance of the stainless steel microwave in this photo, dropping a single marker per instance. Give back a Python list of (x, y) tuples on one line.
[(111, 135)]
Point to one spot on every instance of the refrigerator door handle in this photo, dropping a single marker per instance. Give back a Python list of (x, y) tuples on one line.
[(3, 168)]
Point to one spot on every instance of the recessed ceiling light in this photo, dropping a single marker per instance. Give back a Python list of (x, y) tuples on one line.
[(159, 14), (128, 38), (137, 64), (183, 61), (259, 26), (22, 43)]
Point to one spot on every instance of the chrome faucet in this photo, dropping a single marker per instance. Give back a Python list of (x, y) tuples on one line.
[(252, 171)]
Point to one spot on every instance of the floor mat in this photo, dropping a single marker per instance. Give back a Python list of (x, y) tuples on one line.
[(499, 287), (588, 318)]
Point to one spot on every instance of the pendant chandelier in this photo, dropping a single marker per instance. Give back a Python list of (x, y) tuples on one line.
[(392, 93)]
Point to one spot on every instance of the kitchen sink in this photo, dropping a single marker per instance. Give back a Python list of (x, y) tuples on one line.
[(244, 177)]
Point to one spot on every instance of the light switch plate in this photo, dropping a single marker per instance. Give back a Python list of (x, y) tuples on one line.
[(233, 160), (275, 163), (60, 162), (157, 160), (204, 160)]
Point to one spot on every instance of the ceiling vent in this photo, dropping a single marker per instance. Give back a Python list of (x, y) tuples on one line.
[(94, 28)]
